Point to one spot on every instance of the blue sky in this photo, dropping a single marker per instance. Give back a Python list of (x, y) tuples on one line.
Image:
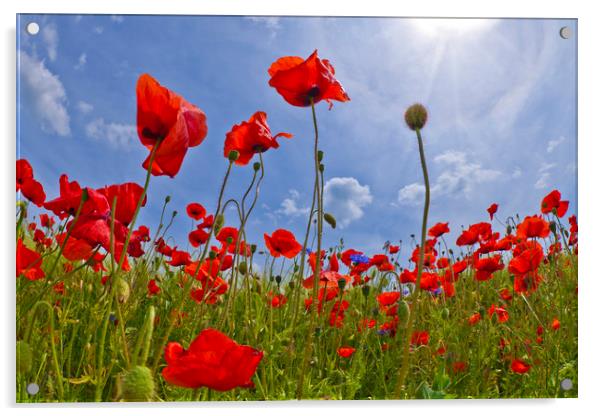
[(501, 96)]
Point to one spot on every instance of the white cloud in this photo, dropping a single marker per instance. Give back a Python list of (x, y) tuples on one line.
[(270, 22), (517, 173), (47, 93), (459, 177), (344, 198), (84, 107), (98, 30), (81, 61), (544, 175), (553, 144), (289, 206), (117, 19), (51, 39), (115, 134)]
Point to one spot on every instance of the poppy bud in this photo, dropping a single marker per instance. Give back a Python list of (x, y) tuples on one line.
[(24, 357), (508, 230), (233, 155), (212, 255), (342, 283), (173, 214), (242, 268), (137, 385), (320, 155), (366, 290), (296, 268), (278, 279), (416, 116), (329, 218), (167, 199), (256, 166), (123, 290), (403, 312), (218, 223), (444, 313), (553, 227)]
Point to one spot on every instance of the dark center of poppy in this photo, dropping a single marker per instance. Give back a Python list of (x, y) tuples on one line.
[(313, 92)]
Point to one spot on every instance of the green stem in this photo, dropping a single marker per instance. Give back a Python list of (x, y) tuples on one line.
[(416, 294)]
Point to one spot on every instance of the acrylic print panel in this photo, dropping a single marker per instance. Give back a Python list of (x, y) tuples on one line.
[(273, 208)]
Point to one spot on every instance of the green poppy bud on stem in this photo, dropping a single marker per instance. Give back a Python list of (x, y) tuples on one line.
[(330, 219), (218, 223), (233, 155), (256, 166), (403, 312), (278, 279), (242, 268), (123, 290), (167, 199), (137, 385), (416, 116), (212, 255), (320, 155)]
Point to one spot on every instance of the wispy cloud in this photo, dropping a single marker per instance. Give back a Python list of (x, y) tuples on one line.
[(271, 23), (117, 135), (117, 18), (84, 107), (544, 175), (554, 143), (81, 61), (289, 206), (50, 36), (345, 198), (47, 94), (98, 30), (459, 177)]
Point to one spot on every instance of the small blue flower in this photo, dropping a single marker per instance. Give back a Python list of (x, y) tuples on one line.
[(383, 332), (308, 250), (437, 291), (359, 259)]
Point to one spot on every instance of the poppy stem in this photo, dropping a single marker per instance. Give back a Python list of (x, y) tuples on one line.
[(405, 365), (314, 304), (186, 291)]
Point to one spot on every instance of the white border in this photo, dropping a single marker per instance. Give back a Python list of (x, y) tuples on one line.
[(590, 207)]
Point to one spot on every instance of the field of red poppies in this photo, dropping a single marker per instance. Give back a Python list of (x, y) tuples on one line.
[(107, 310)]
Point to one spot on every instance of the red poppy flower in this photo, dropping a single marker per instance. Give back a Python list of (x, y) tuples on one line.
[(345, 352), (420, 338), (282, 243), (299, 81), (407, 276), (179, 258), (164, 115), (443, 263), (70, 198), (439, 229), (475, 233), (213, 360), (429, 281), (29, 262), (387, 298), (459, 366), (29, 187), (152, 287), (555, 324), (196, 211), (505, 294), (492, 210), (346, 256), (474, 319), (501, 313), (250, 137), (527, 261), (393, 249), (485, 267), (337, 313), (381, 261), (533, 226), (46, 221), (127, 196), (277, 300), (198, 237), (552, 202), (519, 366)]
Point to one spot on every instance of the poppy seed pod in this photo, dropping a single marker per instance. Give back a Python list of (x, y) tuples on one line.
[(24, 357), (137, 385), (167, 199), (416, 116), (233, 155), (320, 155), (253, 248), (256, 166), (403, 312), (330, 219), (278, 279), (123, 290), (218, 223), (242, 268)]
